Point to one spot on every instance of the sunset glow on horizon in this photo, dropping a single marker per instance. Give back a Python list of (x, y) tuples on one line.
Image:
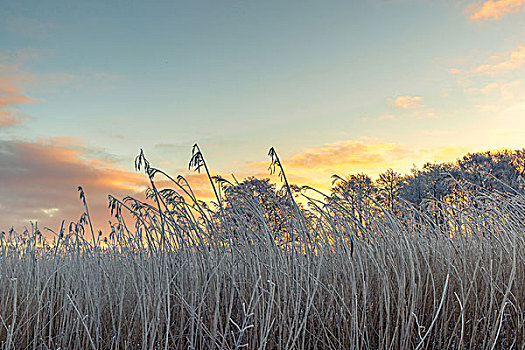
[(337, 87)]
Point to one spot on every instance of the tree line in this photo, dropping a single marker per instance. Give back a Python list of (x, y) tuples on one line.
[(439, 190)]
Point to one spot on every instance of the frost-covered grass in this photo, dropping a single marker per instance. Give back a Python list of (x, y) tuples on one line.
[(334, 274)]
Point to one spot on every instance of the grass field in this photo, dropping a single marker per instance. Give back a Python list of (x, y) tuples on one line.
[(326, 274)]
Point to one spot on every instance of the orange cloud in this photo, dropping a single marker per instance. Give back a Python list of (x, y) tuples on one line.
[(494, 9), (39, 182), (408, 102), (498, 64), (315, 166), (354, 154), (11, 96)]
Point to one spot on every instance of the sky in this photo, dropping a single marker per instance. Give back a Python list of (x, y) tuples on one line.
[(337, 87)]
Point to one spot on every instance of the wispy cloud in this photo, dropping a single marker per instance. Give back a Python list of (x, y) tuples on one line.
[(16, 65), (12, 60), (503, 90), (494, 9), (498, 64), (408, 102), (11, 96), (29, 27)]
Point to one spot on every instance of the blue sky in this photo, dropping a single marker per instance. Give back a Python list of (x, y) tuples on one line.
[(395, 83)]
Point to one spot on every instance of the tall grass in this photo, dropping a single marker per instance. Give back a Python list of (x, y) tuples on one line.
[(174, 273)]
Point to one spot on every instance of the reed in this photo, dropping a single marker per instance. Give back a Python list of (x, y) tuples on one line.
[(254, 272)]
